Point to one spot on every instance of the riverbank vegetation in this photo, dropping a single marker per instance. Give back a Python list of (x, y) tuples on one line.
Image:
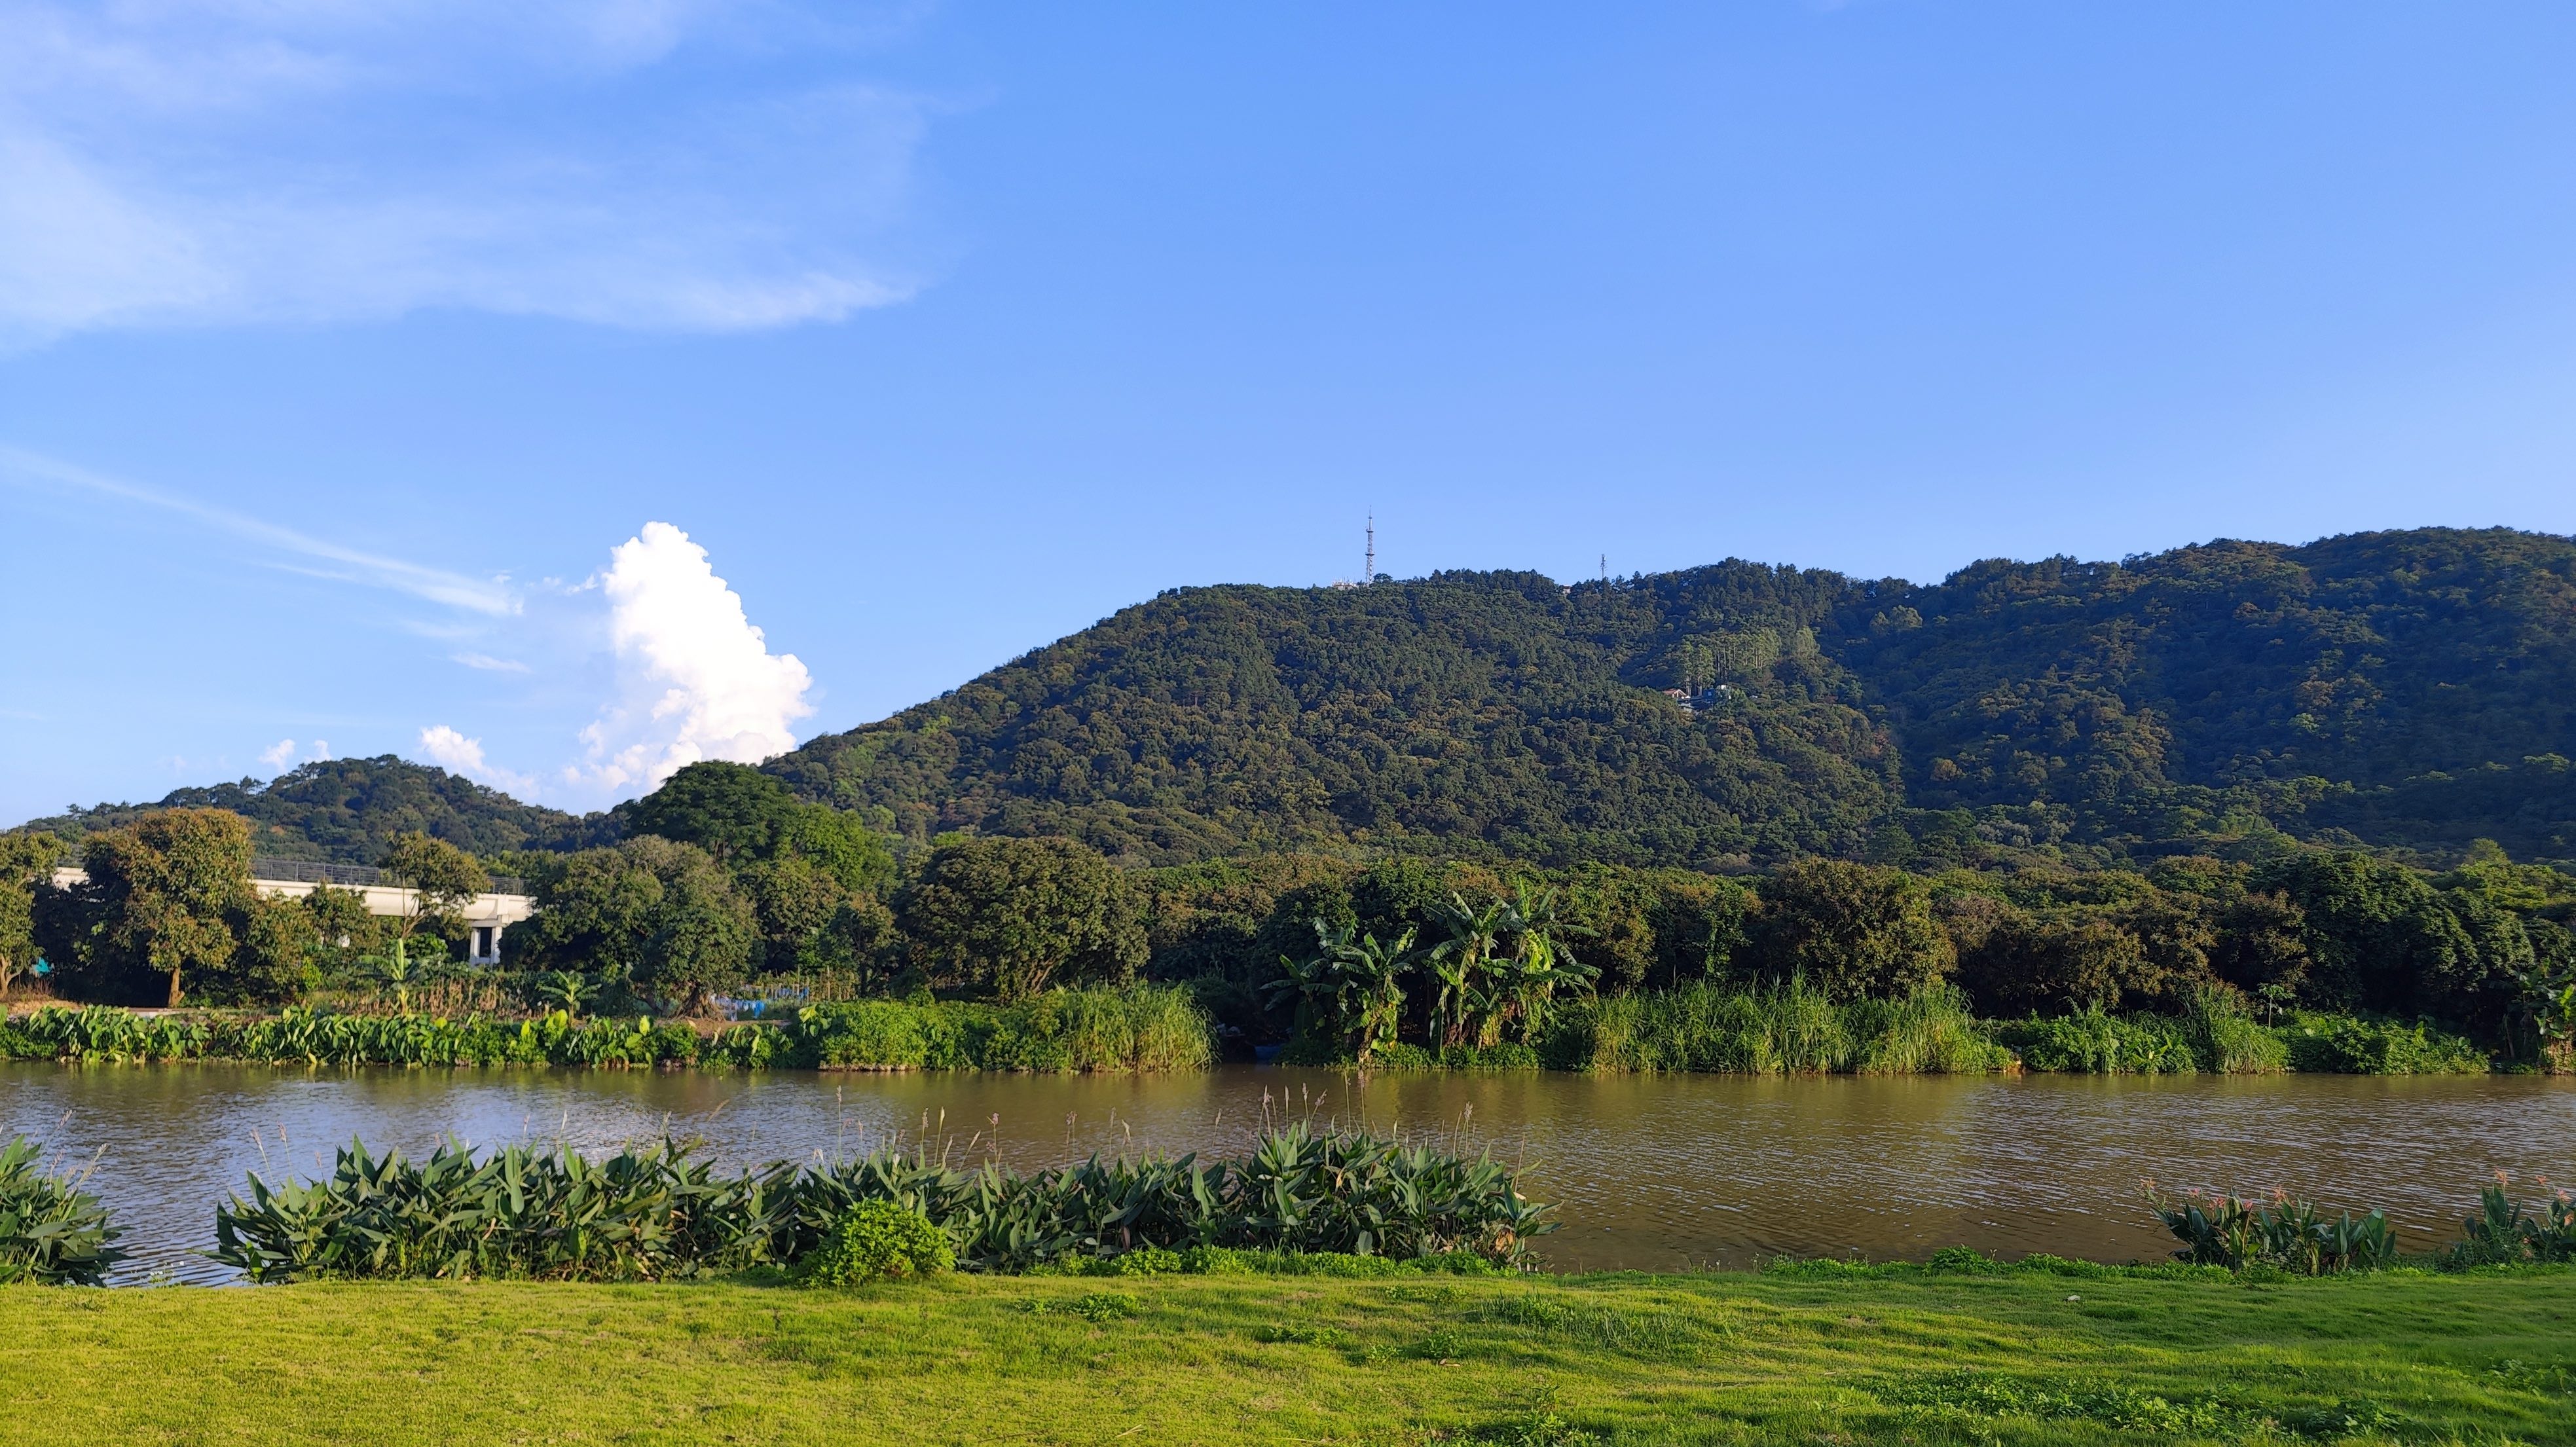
[(730, 896), (1137, 1028), (1879, 1355)]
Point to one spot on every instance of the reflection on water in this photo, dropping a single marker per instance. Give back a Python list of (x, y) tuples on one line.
[(1651, 1171)]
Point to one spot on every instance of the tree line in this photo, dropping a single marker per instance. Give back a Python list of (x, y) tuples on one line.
[(727, 882)]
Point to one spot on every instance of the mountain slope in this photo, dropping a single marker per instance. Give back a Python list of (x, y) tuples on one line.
[(347, 811), (2412, 689)]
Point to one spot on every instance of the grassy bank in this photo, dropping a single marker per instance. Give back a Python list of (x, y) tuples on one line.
[(1907, 1356)]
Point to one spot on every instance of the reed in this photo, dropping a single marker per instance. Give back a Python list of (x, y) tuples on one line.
[(2093, 1041), (52, 1232), (2228, 1041), (1787, 1028)]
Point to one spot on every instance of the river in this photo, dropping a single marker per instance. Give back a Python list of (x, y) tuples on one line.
[(1650, 1172)]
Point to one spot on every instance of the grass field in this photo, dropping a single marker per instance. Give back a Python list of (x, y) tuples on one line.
[(1900, 1357)]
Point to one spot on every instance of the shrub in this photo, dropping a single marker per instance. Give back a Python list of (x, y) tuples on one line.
[(877, 1239), (1148, 1261), (2505, 1231), (51, 1231), (644, 1215), (2095, 1042), (2285, 1233), (1300, 1192), (2350, 1045)]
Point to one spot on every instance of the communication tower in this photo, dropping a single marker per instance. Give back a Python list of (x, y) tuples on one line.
[(1368, 573)]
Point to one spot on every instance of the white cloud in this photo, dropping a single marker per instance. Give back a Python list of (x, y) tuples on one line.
[(488, 663), (458, 754), (698, 680), (693, 164)]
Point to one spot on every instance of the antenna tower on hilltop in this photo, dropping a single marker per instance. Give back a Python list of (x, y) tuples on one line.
[(1368, 574)]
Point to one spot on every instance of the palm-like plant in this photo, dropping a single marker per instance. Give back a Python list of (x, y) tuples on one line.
[(1375, 972), (566, 990), (1314, 982), (1465, 1008), (1539, 963), (396, 969), (1352, 987)]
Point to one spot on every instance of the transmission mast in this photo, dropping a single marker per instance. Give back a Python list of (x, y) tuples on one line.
[(1368, 573)]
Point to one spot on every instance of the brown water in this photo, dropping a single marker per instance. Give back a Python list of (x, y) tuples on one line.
[(1650, 1171)]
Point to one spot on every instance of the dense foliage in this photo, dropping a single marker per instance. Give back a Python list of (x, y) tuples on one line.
[(168, 913), (664, 1212), (350, 811), (2406, 689), (1309, 945)]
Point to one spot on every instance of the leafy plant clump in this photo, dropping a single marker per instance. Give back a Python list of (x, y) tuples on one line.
[(877, 1239), (2505, 1231), (51, 1231), (1301, 1191), (648, 1215), (2285, 1232), (1326, 1203)]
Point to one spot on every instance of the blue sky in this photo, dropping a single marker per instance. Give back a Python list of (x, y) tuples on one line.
[(341, 344)]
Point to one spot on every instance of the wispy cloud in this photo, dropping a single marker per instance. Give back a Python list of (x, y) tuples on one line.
[(488, 663), (479, 595), (701, 164)]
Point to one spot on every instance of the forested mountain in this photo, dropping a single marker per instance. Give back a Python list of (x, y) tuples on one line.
[(2410, 690), (348, 811)]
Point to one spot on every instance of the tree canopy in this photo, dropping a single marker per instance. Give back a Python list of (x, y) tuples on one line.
[(2411, 690)]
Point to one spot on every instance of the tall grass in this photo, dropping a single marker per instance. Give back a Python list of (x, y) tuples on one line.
[(2093, 1041), (1787, 1028), (663, 1213), (1139, 1028)]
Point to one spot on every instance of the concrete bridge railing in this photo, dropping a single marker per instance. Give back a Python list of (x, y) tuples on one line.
[(486, 916)]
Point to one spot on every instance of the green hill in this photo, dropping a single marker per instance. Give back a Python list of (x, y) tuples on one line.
[(2408, 690), (2411, 690), (347, 811)]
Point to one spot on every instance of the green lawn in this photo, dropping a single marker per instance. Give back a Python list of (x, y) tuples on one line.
[(1907, 1357)]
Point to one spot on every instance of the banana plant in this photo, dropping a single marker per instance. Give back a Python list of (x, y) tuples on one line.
[(1465, 1011), (1375, 974), (395, 968), (567, 990)]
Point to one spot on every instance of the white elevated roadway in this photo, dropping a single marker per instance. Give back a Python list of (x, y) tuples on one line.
[(485, 916)]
